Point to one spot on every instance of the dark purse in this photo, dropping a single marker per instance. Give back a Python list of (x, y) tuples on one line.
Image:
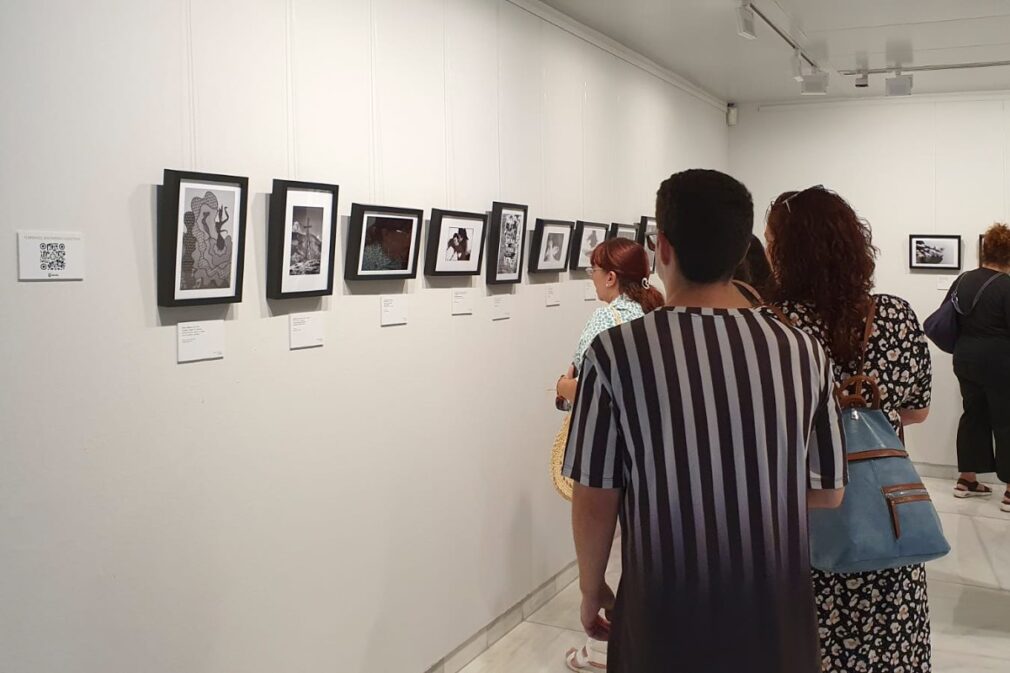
[(942, 326)]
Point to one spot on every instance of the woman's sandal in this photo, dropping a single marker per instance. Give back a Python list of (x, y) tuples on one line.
[(578, 660), (972, 489)]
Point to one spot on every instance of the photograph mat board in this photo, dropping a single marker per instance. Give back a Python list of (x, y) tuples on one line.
[(367, 220), (299, 198), (513, 224), (475, 232), (227, 196), (627, 232)]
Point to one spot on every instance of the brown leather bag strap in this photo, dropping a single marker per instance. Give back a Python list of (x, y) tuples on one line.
[(867, 334)]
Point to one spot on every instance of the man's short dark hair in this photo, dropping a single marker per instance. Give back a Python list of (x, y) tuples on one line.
[(707, 217)]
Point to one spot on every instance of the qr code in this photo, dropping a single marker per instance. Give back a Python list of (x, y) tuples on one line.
[(53, 256)]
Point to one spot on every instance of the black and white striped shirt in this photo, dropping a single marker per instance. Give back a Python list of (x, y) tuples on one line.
[(714, 423)]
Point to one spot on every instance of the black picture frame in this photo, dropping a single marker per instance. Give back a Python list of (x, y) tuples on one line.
[(506, 248), (917, 254), (357, 241), (433, 257), (623, 230), (550, 228), (280, 232), (648, 225), (184, 280), (981, 241), (578, 236)]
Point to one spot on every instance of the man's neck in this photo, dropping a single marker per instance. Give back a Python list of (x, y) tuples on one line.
[(716, 295)]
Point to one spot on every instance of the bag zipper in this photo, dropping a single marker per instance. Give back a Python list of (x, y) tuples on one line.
[(902, 494)]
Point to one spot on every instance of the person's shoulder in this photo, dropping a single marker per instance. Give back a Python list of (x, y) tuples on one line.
[(893, 307)]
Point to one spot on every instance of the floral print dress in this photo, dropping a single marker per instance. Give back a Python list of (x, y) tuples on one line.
[(878, 621)]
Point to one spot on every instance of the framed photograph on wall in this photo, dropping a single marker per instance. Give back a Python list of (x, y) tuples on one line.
[(587, 236), (506, 243), (201, 238), (934, 252), (551, 245), (648, 227), (301, 239), (383, 243), (619, 230), (981, 240), (455, 243)]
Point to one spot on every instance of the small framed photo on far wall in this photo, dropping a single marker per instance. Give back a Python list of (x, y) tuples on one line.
[(647, 228), (302, 239), (939, 252)]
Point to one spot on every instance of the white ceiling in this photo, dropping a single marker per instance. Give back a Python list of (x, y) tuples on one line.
[(697, 39)]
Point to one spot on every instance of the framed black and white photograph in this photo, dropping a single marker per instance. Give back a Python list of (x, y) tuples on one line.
[(506, 242), (619, 230), (383, 243), (935, 252), (201, 238), (455, 243), (301, 239), (587, 236), (550, 246), (981, 240), (647, 227)]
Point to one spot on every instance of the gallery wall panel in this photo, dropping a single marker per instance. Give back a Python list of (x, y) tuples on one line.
[(280, 510)]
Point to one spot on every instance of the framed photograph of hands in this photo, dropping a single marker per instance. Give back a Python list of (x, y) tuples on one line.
[(201, 238), (587, 236), (551, 246)]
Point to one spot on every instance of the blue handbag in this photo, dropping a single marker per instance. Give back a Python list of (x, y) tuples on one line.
[(887, 519)]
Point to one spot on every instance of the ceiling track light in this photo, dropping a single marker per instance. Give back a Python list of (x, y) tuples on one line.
[(899, 85), (813, 84), (746, 21), (863, 80)]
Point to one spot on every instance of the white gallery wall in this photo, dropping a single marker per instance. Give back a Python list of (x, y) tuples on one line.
[(365, 506), (909, 166)]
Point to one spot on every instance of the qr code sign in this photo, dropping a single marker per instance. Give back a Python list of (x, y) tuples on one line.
[(53, 256)]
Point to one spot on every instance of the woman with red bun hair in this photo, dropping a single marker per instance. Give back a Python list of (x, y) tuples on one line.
[(620, 270)]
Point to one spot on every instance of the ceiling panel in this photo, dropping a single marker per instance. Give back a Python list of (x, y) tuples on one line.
[(697, 39)]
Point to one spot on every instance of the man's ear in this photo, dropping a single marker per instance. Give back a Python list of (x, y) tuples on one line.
[(664, 249)]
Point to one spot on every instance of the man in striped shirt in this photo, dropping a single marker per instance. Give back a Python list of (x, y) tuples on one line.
[(708, 428)]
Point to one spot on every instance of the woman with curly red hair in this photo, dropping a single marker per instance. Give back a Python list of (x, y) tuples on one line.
[(982, 366), (823, 260)]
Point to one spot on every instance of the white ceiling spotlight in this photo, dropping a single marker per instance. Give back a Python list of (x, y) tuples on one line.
[(899, 85), (745, 21), (863, 80), (814, 84)]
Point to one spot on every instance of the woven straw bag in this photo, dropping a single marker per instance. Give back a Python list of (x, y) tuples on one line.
[(562, 483)]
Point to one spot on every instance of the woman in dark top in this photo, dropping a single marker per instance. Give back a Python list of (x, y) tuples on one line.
[(822, 257), (982, 366)]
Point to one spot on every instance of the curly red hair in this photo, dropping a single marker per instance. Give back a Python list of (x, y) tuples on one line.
[(822, 255), (996, 246)]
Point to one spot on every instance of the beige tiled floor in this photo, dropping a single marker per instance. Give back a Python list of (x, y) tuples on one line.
[(969, 601)]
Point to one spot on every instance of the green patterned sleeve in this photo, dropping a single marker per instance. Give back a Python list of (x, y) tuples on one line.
[(601, 320)]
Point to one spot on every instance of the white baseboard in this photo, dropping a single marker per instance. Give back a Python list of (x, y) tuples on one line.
[(479, 643)]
